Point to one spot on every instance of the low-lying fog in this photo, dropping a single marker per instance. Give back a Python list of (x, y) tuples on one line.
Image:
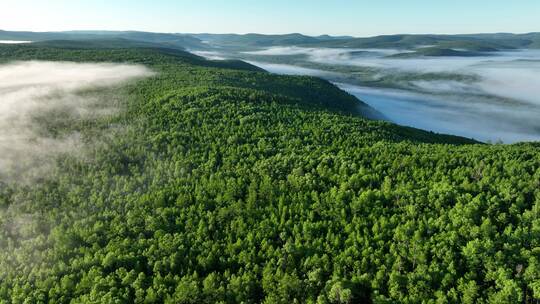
[(34, 92), (451, 115), (502, 103), (13, 42)]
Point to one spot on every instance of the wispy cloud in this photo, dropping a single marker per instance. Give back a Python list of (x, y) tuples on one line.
[(326, 55), (209, 55)]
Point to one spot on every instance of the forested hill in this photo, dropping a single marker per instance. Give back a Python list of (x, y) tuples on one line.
[(216, 182), (178, 41), (309, 91)]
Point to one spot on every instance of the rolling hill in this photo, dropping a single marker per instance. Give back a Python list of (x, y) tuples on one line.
[(178, 41), (475, 43), (216, 182), (259, 40), (480, 42)]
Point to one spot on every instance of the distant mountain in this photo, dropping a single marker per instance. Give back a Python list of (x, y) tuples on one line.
[(475, 46), (437, 52), (478, 42), (328, 37), (473, 43), (389, 41), (256, 39), (469, 43), (112, 43), (260, 40), (178, 41)]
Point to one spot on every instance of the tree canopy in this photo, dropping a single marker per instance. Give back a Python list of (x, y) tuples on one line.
[(220, 183)]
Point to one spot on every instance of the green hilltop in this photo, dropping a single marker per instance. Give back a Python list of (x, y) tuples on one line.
[(226, 184)]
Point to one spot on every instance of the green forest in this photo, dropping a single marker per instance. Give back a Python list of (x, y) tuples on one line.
[(222, 183)]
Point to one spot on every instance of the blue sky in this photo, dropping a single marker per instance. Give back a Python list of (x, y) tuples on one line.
[(314, 17)]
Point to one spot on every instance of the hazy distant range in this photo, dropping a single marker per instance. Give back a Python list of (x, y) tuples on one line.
[(484, 86)]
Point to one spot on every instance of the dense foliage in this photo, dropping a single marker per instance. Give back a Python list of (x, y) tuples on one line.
[(224, 185)]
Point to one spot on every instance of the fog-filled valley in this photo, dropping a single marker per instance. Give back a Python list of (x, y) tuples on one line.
[(491, 96)]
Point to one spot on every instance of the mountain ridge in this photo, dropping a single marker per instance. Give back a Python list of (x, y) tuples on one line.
[(471, 42)]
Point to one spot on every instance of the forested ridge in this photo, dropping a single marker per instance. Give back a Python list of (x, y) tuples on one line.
[(220, 183)]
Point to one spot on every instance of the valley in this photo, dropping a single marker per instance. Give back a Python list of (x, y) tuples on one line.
[(477, 97)]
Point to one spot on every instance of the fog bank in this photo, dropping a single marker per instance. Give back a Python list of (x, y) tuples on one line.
[(13, 42), (287, 69), (36, 96), (453, 115)]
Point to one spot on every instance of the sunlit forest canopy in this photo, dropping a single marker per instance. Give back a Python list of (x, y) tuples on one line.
[(217, 182)]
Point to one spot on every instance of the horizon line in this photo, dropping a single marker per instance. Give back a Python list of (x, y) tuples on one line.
[(275, 34)]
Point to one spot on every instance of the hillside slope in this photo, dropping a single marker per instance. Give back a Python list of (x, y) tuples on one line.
[(227, 185)]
